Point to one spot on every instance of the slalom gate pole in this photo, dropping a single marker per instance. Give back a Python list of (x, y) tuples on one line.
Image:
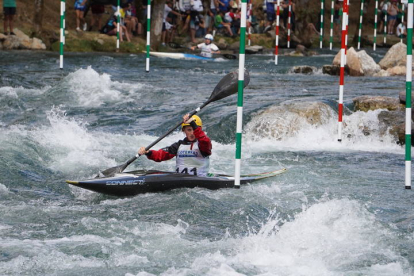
[(374, 46), (147, 60), (277, 31), (361, 14), (321, 27), (239, 127), (408, 95), (346, 15), (402, 17), (385, 29), (332, 24), (342, 70), (250, 23), (62, 31), (289, 21), (118, 22)]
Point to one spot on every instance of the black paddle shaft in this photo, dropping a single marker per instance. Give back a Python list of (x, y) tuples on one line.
[(227, 86)]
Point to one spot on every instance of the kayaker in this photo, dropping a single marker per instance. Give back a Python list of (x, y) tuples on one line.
[(208, 48), (192, 153)]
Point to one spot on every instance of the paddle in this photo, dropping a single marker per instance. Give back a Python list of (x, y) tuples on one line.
[(178, 46), (227, 86)]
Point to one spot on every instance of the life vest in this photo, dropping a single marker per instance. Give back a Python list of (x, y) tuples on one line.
[(189, 160)]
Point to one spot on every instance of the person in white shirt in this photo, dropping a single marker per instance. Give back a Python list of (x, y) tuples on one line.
[(208, 48), (165, 25), (401, 30)]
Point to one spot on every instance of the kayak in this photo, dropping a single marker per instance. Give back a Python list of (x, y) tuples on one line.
[(140, 182), (179, 56)]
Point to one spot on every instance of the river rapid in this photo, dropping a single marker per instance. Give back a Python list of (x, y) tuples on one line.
[(340, 209)]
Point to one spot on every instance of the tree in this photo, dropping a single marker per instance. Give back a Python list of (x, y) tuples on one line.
[(38, 15), (157, 15)]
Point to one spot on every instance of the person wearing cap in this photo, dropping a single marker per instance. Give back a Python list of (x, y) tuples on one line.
[(192, 153), (208, 48)]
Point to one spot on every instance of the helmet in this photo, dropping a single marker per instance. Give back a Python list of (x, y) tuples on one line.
[(197, 120), (209, 36)]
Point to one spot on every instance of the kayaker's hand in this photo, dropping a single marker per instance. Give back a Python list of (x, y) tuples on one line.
[(187, 119), (193, 48), (142, 151)]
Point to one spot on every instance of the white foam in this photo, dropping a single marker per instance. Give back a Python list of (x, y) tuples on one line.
[(336, 237), (3, 189), (288, 131), (92, 89)]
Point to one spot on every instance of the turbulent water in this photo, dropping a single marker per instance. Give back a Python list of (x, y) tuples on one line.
[(340, 209)]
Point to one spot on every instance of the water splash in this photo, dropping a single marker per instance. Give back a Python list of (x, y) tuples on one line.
[(313, 126)]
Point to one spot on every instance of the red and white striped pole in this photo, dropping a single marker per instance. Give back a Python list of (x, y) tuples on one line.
[(288, 24), (277, 31), (342, 70)]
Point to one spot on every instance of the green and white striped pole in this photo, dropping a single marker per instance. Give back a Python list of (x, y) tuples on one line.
[(332, 24), (321, 27), (402, 17), (361, 14), (375, 26), (118, 22), (147, 60), (62, 30), (408, 95), (239, 126)]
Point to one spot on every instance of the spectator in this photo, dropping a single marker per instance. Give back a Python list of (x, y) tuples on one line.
[(79, 9), (185, 10), (384, 11), (285, 6), (338, 12), (270, 14), (401, 30), (220, 24), (9, 9), (111, 29), (171, 22), (165, 25), (392, 16), (97, 12), (223, 5), (131, 21), (212, 12), (196, 9), (201, 26)]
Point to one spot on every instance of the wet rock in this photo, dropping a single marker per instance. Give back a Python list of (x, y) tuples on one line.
[(397, 71), (21, 41), (365, 103), (368, 65), (333, 70), (279, 122), (396, 55), (393, 122), (402, 97), (352, 61), (253, 49), (222, 44), (304, 69), (382, 73), (295, 54)]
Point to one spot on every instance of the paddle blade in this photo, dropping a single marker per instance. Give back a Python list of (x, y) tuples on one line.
[(228, 85), (175, 45), (114, 170), (229, 56)]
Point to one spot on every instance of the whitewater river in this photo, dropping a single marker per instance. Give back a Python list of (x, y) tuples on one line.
[(340, 209)]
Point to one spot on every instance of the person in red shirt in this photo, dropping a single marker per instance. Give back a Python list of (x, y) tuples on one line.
[(192, 153)]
